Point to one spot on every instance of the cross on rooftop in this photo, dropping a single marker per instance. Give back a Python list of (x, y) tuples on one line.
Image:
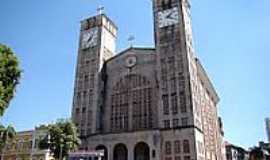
[(131, 39), (100, 9)]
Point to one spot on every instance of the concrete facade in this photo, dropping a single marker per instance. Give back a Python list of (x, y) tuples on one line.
[(146, 103)]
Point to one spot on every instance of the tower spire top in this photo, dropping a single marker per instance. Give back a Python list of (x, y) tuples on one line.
[(100, 9)]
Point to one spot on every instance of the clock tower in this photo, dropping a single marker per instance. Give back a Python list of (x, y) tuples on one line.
[(173, 39), (97, 44), (177, 72)]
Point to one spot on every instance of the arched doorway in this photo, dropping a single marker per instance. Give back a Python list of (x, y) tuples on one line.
[(104, 148), (141, 151), (120, 152)]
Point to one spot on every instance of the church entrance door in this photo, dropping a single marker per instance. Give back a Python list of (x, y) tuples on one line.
[(104, 149), (142, 151), (120, 152)]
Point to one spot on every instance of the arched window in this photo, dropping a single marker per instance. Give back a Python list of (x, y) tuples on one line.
[(132, 91)]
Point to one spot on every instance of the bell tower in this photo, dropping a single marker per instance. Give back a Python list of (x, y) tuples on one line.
[(177, 73), (96, 45), (173, 39)]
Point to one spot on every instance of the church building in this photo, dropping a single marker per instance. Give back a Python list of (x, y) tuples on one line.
[(146, 103)]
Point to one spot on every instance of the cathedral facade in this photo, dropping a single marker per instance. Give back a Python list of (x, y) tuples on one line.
[(146, 103)]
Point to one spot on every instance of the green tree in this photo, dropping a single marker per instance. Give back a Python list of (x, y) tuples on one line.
[(10, 74), (6, 134), (62, 137)]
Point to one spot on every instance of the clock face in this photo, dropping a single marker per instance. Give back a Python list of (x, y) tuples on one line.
[(89, 38), (168, 17)]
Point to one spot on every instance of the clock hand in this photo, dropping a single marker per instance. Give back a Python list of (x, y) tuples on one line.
[(90, 38), (169, 15)]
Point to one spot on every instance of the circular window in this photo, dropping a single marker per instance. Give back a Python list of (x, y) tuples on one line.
[(131, 61)]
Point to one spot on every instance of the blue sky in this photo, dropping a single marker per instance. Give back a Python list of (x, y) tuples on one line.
[(231, 39)]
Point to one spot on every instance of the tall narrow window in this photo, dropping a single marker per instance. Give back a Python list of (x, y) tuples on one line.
[(173, 84), (92, 80), (186, 147), (177, 147), (187, 158), (171, 63), (183, 102), (166, 123), (168, 148), (174, 103), (86, 79), (165, 104), (79, 99), (166, 4), (77, 111), (175, 123), (184, 121)]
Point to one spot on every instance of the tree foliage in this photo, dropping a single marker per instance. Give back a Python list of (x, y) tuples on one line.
[(6, 134), (62, 137), (10, 74)]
